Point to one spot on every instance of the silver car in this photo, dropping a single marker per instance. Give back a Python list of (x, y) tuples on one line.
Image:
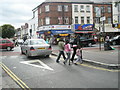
[(36, 47)]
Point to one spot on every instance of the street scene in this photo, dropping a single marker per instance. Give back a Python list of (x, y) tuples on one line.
[(44, 72), (67, 44)]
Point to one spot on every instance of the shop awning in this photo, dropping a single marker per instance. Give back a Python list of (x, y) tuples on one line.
[(54, 32), (83, 31)]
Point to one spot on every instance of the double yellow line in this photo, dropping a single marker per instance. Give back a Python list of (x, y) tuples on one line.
[(14, 77)]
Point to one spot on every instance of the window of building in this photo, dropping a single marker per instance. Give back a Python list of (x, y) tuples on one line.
[(109, 9), (109, 20), (103, 9), (82, 20), (47, 20), (82, 8), (47, 8), (59, 8), (76, 20), (59, 20), (87, 8), (88, 19), (75, 8), (65, 8), (66, 20), (96, 20)]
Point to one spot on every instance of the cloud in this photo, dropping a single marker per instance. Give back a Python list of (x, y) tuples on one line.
[(17, 12)]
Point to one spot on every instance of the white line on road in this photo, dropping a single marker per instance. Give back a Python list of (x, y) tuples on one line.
[(42, 65)]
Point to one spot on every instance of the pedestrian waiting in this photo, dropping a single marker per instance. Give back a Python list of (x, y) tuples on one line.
[(68, 51)]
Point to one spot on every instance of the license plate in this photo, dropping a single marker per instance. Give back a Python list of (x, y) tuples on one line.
[(42, 48)]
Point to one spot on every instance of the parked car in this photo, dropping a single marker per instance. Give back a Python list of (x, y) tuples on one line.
[(36, 47), (115, 40), (6, 44), (85, 41)]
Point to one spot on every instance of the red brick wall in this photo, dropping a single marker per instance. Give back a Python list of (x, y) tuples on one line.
[(53, 13)]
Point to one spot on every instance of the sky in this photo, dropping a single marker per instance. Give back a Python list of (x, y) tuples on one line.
[(17, 12)]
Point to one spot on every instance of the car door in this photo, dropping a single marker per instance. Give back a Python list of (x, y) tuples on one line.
[(4, 45), (24, 46)]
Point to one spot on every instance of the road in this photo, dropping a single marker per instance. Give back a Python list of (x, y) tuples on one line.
[(41, 72)]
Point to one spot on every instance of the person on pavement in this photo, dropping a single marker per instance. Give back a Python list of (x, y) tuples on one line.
[(68, 51), (61, 50)]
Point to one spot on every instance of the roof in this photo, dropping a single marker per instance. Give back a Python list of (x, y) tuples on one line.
[(106, 1), (70, 1)]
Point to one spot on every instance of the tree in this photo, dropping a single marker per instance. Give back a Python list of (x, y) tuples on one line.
[(7, 31), (116, 3)]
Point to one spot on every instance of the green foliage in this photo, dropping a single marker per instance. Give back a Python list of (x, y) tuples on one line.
[(116, 3), (7, 31)]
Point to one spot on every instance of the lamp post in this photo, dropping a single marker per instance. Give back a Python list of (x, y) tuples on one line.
[(30, 33)]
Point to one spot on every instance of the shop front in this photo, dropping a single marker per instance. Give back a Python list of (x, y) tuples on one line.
[(57, 34), (52, 33), (85, 30)]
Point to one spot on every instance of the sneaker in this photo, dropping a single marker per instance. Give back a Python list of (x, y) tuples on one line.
[(75, 63), (57, 61), (81, 62), (64, 62)]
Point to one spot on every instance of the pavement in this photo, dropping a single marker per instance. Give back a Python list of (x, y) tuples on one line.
[(97, 57)]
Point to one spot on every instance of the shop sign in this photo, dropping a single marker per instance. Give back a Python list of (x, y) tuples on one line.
[(61, 27), (45, 28), (63, 34), (84, 27)]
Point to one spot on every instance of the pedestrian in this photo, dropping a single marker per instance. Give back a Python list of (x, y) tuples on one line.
[(68, 51), (16, 42), (79, 55), (61, 49), (75, 45)]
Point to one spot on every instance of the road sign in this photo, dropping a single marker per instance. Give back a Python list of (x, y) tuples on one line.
[(103, 18)]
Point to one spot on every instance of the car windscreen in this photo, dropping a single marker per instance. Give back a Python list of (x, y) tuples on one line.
[(37, 42)]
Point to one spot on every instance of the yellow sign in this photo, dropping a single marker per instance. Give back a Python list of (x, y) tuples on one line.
[(118, 26), (63, 34)]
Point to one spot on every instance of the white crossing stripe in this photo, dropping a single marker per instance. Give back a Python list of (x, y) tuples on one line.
[(42, 65)]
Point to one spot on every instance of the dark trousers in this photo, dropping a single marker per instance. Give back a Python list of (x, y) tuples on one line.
[(61, 53), (73, 55)]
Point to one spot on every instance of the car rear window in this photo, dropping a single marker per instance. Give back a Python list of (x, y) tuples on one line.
[(37, 42)]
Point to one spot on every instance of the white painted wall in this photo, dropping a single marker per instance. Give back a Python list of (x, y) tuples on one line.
[(82, 14), (33, 24)]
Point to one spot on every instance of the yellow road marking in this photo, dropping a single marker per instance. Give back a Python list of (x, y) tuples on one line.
[(90, 66), (14, 77)]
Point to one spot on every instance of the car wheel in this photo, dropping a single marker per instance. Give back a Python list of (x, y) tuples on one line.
[(90, 44), (9, 48), (114, 43)]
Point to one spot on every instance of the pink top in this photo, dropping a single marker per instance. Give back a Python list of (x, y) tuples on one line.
[(67, 48), (78, 52)]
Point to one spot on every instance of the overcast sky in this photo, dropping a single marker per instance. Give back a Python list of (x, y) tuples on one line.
[(17, 12)]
